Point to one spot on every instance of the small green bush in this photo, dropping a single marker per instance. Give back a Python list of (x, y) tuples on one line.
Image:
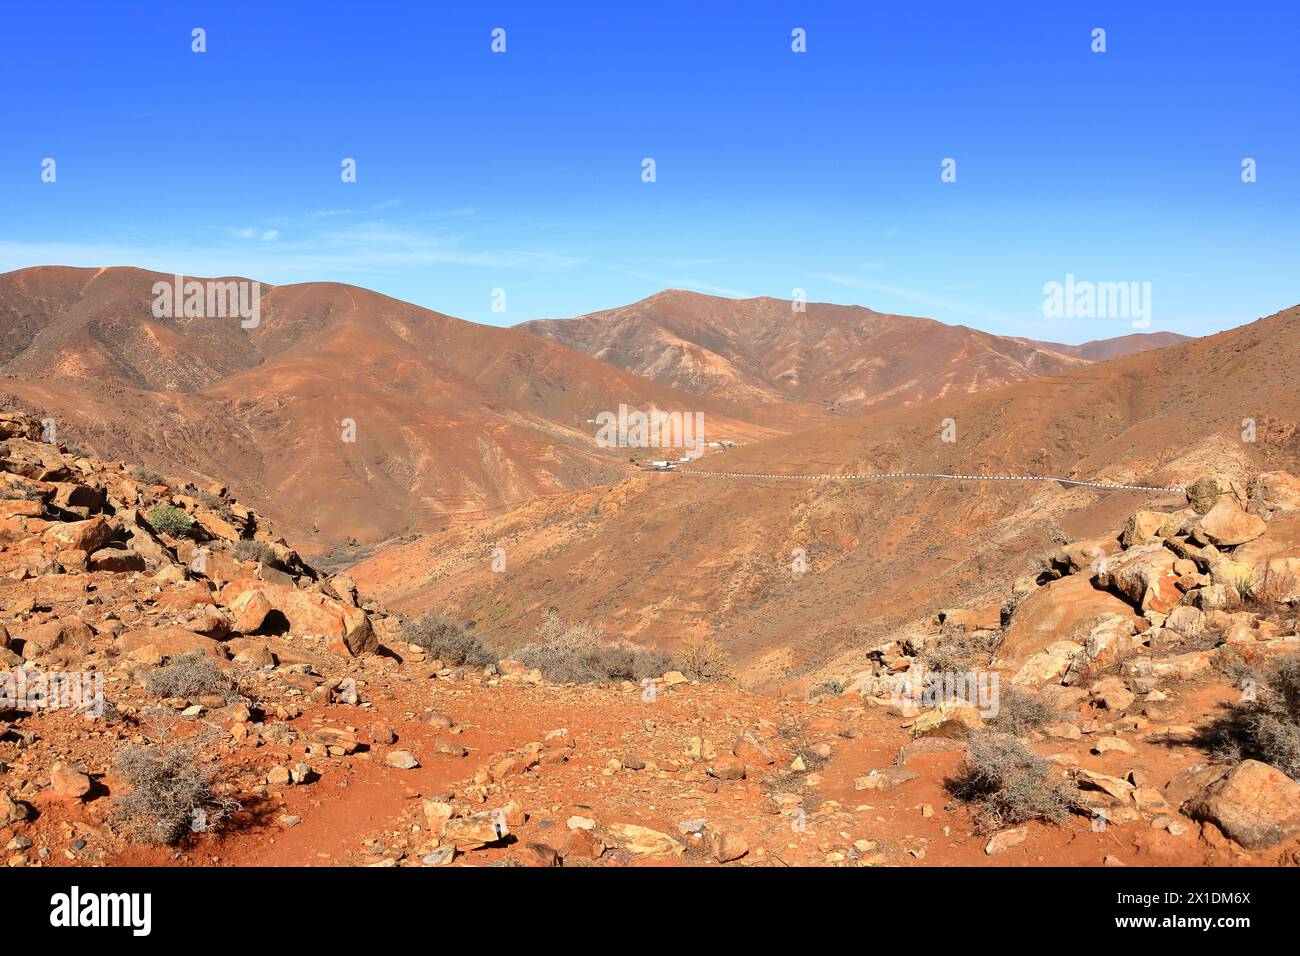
[(168, 519)]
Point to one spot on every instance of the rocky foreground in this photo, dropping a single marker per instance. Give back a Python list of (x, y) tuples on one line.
[(328, 739)]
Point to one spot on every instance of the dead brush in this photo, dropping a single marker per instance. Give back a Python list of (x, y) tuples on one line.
[(168, 794), (706, 660), (1265, 724), (447, 640), (1008, 784), (572, 652), (1019, 711), (191, 676), (1265, 590), (960, 650)]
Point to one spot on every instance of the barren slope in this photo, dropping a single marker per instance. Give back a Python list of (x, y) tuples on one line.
[(844, 358), (668, 556), (449, 415)]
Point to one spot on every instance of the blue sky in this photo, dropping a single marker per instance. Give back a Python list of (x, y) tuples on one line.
[(775, 170)]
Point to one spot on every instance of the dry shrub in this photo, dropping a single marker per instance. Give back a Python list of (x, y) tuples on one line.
[(1008, 783), (1019, 711), (1266, 728), (828, 688), (959, 650), (448, 640), (192, 675), (572, 652), (1269, 589), (147, 475), (706, 660), (168, 794), (258, 551)]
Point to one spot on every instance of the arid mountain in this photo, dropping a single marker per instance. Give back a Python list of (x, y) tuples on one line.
[(666, 557), (449, 416), (1099, 350), (844, 358)]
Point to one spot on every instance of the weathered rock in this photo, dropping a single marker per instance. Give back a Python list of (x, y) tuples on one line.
[(1142, 527), (12, 811), (335, 738), (115, 557), (1255, 804), (452, 748), (1112, 693), (1049, 664), (1187, 621), (643, 841), (88, 536), (1179, 667), (249, 611), (402, 760), (436, 813), (727, 844), (310, 612), (581, 844), (749, 749), (1105, 745), (358, 636), (512, 766), (470, 833), (1004, 840), (1145, 576), (890, 778), (727, 767), (1226, 525), (1063, 610), (68, 781), (540, 854), (1118, 790), (167, 642)]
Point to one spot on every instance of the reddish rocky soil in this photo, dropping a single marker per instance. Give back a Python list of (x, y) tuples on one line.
[(346, 745)]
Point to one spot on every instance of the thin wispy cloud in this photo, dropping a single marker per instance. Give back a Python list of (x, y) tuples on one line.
[(254, 232), (682, 282), (284, 253), (908, 295)]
